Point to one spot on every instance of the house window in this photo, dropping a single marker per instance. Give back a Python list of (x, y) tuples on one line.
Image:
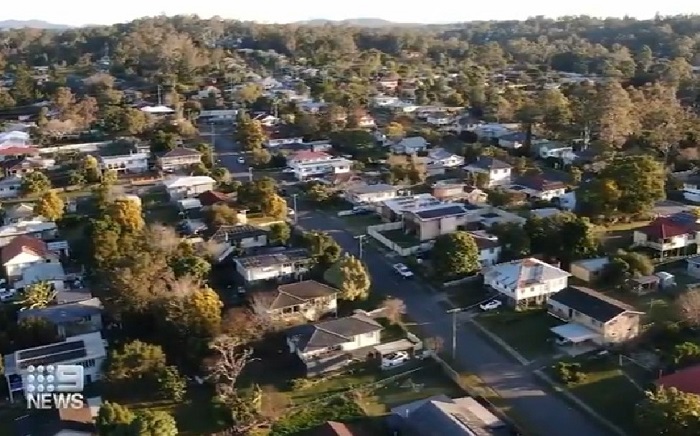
[(369, 335)]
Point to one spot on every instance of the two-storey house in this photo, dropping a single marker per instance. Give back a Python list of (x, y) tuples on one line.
[(593, 317), (275, 140), (369, 194), (307, 300), (179, 188), (552, 149), (281, 265), (37, 227), (430, 222), (668, 237), (526, 281), (410, 145), (178, 158), (306, 156), (70, 319), (328, 345), (87, 350), (498, 172), (127, 163), (443, 158), (326, 167), (23, 251), (228, 239), (489, 247), (538, 187)]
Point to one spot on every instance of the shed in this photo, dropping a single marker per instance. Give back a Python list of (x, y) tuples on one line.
[(588, 270)]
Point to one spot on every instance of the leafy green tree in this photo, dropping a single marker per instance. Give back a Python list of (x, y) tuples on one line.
[(38, 295), (250, 134), (185, 262), (279, 233), (350, 276), (90, 169), (109, 177), (687, 353), (35, 182), (260, 157), (274, 207), (318, 192), (322, 247), (455, 254), (668, 412), (135, 365), (50, 206), (24, 87), (207, 154), (221, 215), (221, 175), (624, 266), (172, 385), (153, 423), (395, 131), (126, 214), (113, 419), (76, 178)]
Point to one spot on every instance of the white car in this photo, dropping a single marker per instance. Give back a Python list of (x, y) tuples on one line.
[(288, 170), (7, 294), (491, 305), (241, 160), (403, 271), (395, 359)]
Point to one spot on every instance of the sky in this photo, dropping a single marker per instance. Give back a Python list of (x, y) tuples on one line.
[(78, 12)]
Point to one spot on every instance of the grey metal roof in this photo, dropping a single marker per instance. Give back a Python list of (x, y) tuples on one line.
[(338, 331), (590, 303), (272, 259), (439, 212), (370, 189), (443, 416), (489, 163), (63, 313), (236, 232), (300, 292)]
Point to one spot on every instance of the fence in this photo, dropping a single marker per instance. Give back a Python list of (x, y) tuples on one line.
[(456, 282), (375, 232)]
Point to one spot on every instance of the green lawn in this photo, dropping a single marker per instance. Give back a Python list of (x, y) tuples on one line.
[(467, 294), (358, 224), (607, 390), (527, 331), (400, 238)]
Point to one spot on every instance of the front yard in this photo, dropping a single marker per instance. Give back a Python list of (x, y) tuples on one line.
[(467, 294), (358, 224), (527, 332), (401, 238), (605, 388)]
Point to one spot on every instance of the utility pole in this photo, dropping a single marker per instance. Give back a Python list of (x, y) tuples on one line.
[(294, 205), (160, 100), (454, 313), (250, 174), (361, 242)]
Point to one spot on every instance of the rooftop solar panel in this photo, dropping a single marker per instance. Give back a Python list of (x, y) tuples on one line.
[(50, 349), (55, 358)]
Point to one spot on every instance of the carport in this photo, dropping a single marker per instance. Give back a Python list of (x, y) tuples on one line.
[(574, 333)]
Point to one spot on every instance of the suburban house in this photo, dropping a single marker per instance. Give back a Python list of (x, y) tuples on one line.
[(512, 141), (538, 187), (51, 273), (306, 156), (552, 149), (685, 380), (329, 345), (125, 163), (430, 222), (38, 228), (442, 157), (368, 194), (366, 122), (70, 319), (439, 119), (10, 187), (498, 172), (489, 247), (593, 317), (22, 252), (188, 187), (25, 165), (308, 300), (384, 100), (229, 238), (588, 270), (178, 158), (668, 237), (210, 198), (455, 190), (447, 416), (410, 145), (489, 130), (17, 213), (287, 264), (87, 350), (275, 140), (333, 166), (526, 281)]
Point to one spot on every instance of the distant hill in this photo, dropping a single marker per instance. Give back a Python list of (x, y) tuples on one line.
[(34, 24), (357, 22)]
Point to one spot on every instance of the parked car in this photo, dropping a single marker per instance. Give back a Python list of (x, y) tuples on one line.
[(403, 271), (288, 170), (241, 160), (7, 294), (491, 305), (395, 359)]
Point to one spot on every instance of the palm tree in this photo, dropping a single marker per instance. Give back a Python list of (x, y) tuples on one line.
[(37, 296)]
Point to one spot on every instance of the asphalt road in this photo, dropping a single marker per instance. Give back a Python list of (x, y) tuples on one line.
[(223, 142), (549, 414)]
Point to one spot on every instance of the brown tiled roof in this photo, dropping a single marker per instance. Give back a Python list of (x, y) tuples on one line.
[(662, 228), (300, 292), (17, 150), (686, 380), (23, 244), (210, 198)]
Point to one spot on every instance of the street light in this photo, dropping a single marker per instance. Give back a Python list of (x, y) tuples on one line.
[(294, 205), (360, 241)]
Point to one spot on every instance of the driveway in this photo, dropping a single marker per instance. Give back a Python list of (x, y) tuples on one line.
[(550, 415)]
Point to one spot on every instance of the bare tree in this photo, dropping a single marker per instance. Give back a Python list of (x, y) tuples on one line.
[(434, 344), (393, 309), (164, 238), (260, 304), (228, 363), (688, 306)]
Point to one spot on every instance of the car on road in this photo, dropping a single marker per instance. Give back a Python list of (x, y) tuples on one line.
[(395, 359), (241, 160), (288, 170), (491, 305), (403, 270)]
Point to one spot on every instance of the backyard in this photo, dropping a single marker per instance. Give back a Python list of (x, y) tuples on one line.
[(527, 332), (607, 389)]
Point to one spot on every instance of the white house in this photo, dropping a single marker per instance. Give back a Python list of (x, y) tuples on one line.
[(276, 141), (410, 145), (70, 318), (512, 141), (546, 149), (526, 281), (368, 194), (366, 122), (439, 119), (489, 247), (539, 188), (274, 265), (333, 166), (331, 341), (384, 100), (668, 237), (308, 300), (19, 212), (498, 172), (10, 187), (51, 273), (22, 252), (187, 187), (127, 163), (306, 156), (87, 350), (39, 228), (443, 158), (489, 131)]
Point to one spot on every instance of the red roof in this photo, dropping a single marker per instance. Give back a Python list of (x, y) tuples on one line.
[(686, 380), (15, 150), (210, 198), (23, 244), (662, 228), (309, 155)]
